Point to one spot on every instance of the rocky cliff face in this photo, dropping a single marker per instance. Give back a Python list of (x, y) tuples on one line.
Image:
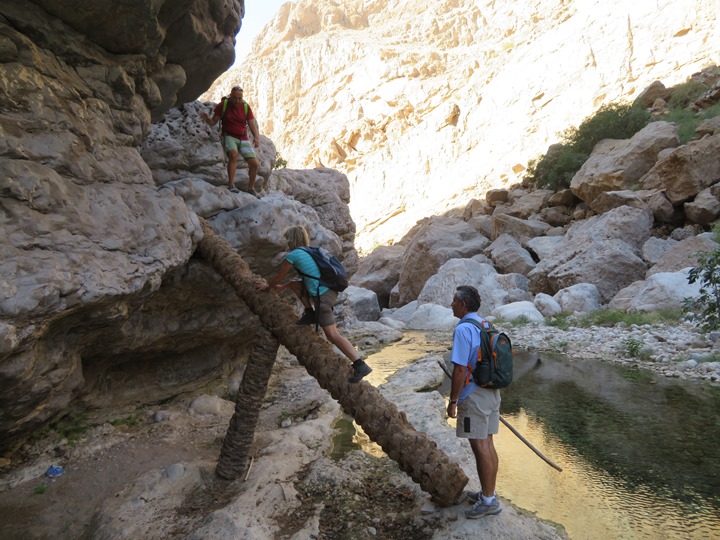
[(425, 106), (100, 298)]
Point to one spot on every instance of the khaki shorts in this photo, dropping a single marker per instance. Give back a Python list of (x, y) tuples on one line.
[(478, 415), (324, 308), (244, 148)]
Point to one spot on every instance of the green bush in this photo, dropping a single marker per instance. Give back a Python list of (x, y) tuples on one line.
[(705, 309), (684, 94), (279, 162), (556, 168), (632, 347), (686, 122)]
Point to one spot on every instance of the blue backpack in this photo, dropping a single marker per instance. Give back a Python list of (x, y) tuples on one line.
[(494, 367), (332, 272)]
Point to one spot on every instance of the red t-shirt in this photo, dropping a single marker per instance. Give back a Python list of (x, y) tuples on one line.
[(234, 122)]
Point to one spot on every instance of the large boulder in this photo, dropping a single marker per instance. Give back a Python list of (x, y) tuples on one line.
[(705, 208), (687, 170), (683, 254), (379, 271), (508, 255), (440, 288), (438, 240), (603, 250), (520, 229), (578, 298), (663, 290), (616, 165), (364, 303)]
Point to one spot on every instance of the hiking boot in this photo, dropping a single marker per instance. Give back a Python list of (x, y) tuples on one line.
[(361, 369), (481, 509), (308, 317)]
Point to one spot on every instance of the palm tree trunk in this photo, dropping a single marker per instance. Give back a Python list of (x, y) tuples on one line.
[(240, 433), (415, 453)]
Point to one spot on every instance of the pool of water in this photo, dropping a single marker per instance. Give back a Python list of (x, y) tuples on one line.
[(640, 453)]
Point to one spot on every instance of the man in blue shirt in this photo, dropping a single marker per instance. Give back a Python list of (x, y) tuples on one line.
[(477, 409)]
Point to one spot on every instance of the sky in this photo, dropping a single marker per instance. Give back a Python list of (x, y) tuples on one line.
[(257, 14)]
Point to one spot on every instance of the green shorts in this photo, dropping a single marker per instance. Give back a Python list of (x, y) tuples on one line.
[(241, 146)]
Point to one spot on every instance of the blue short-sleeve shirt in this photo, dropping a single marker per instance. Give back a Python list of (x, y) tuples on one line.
[(466, 342), (304, 264)]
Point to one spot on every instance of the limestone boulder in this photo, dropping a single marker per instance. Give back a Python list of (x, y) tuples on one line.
[(528, 204), (603, 250), (543, 247), (578, 298), (705, 208), (520, 229), (607, 200), (662, 290), (654, 248), (683, 254), (547, 305), (686, 171), (710, 126), (364, 303), (437, 241), (380, 271), (483, 225), (440, 288), (655, 91), (432, 317), (516, 310), (564, 197), (616, 165), (508, 255), (555, 216)]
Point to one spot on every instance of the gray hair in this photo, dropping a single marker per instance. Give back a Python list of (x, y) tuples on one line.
[(469, 295)]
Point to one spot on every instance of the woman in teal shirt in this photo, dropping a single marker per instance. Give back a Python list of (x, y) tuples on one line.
[(310, 286)]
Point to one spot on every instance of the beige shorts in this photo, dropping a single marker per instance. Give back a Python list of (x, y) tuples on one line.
[(324, 308), (479, 414)]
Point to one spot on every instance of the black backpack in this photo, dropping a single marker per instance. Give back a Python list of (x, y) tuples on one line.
[(332, 272), (495, 357)]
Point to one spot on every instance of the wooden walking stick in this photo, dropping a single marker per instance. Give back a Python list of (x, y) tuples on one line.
[(515, 431)]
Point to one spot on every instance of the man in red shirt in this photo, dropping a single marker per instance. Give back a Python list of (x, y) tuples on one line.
[(236, 116)]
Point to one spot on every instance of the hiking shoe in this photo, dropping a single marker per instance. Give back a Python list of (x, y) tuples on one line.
[(308, 317), (473, 496), (481, 509), (361, 369), (252, 192), (233, 189)]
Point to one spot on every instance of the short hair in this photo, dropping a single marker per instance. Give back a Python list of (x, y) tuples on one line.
[(296, 236), (469, 295), (236, 88)]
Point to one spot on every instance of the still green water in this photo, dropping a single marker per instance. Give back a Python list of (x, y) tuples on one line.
[(640, 453)]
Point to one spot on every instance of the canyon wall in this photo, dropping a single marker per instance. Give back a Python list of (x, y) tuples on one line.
[(427, 105)]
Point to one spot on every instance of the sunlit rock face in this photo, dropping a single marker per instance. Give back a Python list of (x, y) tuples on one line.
[(427, 105)]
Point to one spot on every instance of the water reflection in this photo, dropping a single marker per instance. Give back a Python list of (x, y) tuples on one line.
[(640, 453)]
